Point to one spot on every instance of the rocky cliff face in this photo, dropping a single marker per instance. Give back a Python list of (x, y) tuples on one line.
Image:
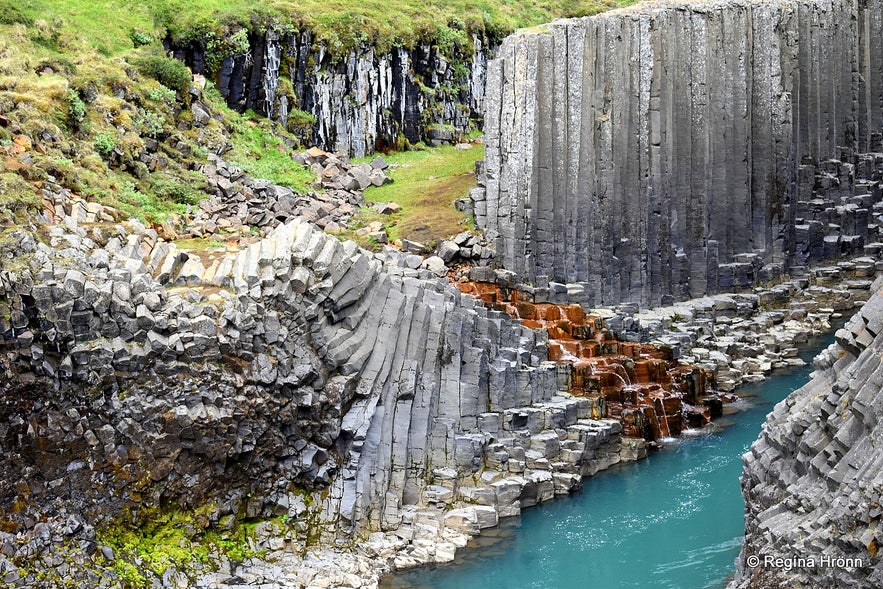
[(139, 376), (669, 150), (363, 100), (812, 482)]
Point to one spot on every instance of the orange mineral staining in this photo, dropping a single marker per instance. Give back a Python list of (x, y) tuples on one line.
[(640, 385)]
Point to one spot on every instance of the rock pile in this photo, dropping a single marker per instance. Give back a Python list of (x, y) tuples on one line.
[(240, 201), (466, 247), (59, 202), (337, 173), (839, 209)]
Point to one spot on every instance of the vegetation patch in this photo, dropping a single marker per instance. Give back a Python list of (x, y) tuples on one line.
[(263, 150), (187, 541), (426, 184), (115, 27), (167, 71)]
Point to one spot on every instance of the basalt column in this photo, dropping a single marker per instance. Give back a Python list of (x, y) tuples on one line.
[(650, 153)]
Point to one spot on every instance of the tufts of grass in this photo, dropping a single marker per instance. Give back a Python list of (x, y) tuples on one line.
[(18, 198), (105, 27)]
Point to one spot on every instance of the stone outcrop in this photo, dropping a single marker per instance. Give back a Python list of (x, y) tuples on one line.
[(812, 481), (138, 376), (677, 149), (641, 385), (362, 100)]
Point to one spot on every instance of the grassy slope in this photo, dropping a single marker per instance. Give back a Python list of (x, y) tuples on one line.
[(85, 43), (426, 184), (48, 69)]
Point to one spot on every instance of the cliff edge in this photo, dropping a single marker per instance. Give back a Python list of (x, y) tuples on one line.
[(813, 481)]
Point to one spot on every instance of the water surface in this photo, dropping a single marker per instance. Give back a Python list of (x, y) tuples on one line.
[(673, 521)]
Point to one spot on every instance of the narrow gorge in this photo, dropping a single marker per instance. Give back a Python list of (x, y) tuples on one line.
[(674, 196)]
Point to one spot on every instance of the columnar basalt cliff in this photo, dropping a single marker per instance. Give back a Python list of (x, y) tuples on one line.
[(668, 150), (362, 100), (813, 482), (299, 364)]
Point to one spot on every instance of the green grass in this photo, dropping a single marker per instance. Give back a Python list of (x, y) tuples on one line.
[(342, 23), (263, 154), (426, 183), (106, 25), (115, 26)]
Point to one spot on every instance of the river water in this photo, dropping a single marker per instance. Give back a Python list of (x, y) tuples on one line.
[(673, 520)]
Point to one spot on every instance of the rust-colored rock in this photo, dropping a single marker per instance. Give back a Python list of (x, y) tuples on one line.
[(22, 143), (639, 384)]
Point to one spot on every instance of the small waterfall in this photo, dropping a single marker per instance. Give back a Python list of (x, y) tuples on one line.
[(667, 432)]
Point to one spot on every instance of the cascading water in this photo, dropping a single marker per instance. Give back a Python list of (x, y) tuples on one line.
[(667, 432)]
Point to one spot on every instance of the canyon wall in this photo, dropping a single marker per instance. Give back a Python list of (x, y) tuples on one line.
[(141, 377), (362, 100), (669, 150), (813, 481)]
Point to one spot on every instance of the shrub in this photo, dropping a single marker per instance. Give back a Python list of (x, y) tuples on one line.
[(167, 71), (140, 37), (76, 109), (104, 144), (178, 192), (150, 122), (161, 94)]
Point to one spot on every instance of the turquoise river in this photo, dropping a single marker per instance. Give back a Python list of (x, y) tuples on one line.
[(674, 520)]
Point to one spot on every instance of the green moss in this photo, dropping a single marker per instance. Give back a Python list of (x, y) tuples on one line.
[(129, 574), (17, 198), (183, 540), (198, 244)]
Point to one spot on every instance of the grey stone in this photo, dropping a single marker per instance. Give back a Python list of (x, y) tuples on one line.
[(436, 265), (447, 250)]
